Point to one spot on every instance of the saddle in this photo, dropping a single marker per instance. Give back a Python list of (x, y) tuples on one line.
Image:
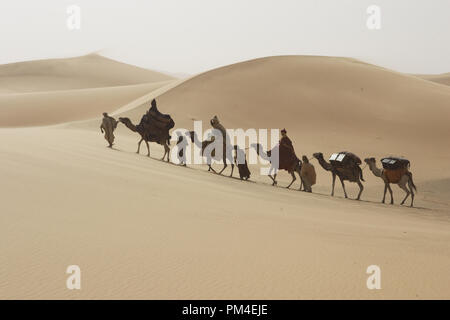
[(155, 118), (156, 124)]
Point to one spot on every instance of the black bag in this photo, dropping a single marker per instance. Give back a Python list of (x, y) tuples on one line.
[(394, 163), (344, 159)]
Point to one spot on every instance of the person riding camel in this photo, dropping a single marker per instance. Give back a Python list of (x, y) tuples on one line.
[(287, 158), (109, 124)]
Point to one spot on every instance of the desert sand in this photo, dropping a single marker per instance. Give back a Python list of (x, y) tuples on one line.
[(140, 228)]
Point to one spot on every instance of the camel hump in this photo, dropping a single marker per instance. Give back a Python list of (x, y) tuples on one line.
[(394, 163), (345, 158)]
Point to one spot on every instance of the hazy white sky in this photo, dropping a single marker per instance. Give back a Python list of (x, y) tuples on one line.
[(190, 36)]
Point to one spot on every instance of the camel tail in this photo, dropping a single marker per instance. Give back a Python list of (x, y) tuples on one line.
[(361, 174), (411, 179)]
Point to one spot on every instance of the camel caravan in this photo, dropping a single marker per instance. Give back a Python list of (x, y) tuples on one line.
[(155, 127)]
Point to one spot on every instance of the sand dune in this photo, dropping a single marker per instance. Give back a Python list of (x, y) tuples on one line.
[(438, 78), (55, 107), (54, 91), (337, 93), (141, 228), (326, 104), (90, 71)]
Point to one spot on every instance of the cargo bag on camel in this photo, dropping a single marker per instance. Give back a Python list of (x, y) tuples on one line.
[(345, 159), (395, 168), (393, 163)]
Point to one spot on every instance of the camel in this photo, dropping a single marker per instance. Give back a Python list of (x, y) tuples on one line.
[(351, 172), (203, 145), (148, 136), (274, 166), (402, 177)]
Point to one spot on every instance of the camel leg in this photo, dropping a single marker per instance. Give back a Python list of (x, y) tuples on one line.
[(412, 192), (332, 185), (224, 167), (232, 169), (302, 183), (167, 148), (343, 188), (390, 191), (208, 161), (293, 179), (166, 151), (139, 145), (148, 148), (384, 195), (274, 179), (403, 186), (361, 188)]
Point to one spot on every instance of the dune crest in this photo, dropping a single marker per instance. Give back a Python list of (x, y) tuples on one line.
[(55, 91), (443, 78), (85, 72)]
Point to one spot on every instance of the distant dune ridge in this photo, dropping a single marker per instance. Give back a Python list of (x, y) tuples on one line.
[(438, 78), (86, 72), (143, 229), (55, 91)]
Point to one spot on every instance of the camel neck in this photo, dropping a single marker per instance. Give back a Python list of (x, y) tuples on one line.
[(376, 171), (324, 164), (130, 126)]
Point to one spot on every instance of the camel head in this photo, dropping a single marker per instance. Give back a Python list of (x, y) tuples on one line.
[(214, 121), (318, 155), (370, 161), (124, 120)]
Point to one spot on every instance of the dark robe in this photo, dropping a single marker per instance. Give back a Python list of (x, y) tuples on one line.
[(241, 161), (287, 158)]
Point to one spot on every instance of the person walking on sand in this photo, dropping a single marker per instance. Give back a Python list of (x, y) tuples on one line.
[(240, 159), (308, 174), (109, 124)]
